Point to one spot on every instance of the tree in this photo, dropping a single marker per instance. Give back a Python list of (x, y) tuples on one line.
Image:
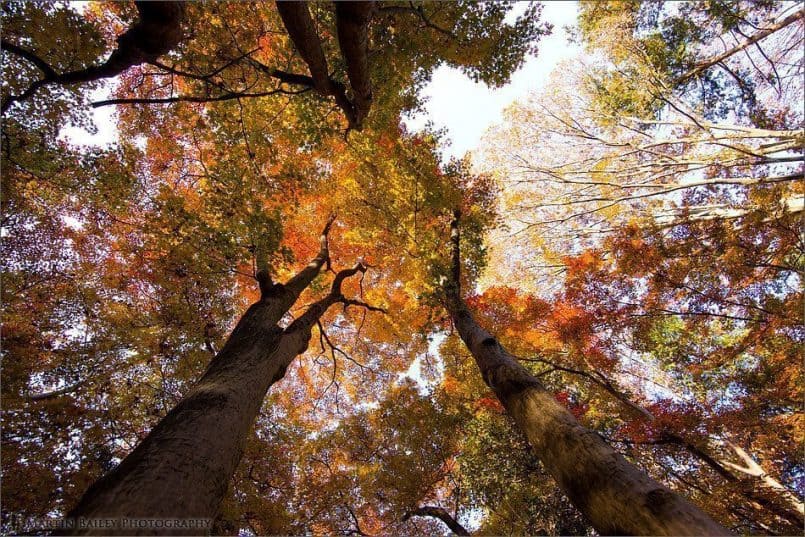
[(157, 31), (662, 167), (614, 495), (193, 451), (727, 56), (146, 251), (220, 64)]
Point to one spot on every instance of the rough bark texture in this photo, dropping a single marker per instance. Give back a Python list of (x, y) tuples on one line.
[(302, 31), (183, 467), (615, 496), (156, 32)]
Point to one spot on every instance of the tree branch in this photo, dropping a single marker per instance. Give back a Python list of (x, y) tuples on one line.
[(420, 12), (41, 64), (54, 393), (441, 514), (193, 98), (302, 279), (302, 31), (754, 38), (317, 309), (158, 30), (455, 241)]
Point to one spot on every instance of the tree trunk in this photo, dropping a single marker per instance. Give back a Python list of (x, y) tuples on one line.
[(615, 496), (183, 467), (352, 25), (302, 31)]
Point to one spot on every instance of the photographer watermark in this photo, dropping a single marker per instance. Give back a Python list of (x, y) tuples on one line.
[(28, 524)]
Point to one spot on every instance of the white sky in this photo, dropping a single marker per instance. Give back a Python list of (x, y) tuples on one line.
[(104, 119), (466, 109)]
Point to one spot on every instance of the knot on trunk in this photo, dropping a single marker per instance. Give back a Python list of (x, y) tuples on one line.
[(507, 380)]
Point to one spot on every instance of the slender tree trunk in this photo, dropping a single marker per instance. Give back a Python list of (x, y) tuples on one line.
[(183, 467), (615, 496)]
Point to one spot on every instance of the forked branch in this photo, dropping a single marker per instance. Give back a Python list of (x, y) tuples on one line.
[(317, 309)]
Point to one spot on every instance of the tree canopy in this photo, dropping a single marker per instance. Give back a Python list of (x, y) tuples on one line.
[(253, 290)]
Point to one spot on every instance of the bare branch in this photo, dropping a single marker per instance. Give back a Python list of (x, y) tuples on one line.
[(756, 37)]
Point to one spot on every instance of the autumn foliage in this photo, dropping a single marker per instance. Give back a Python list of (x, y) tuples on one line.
[(632, 233)]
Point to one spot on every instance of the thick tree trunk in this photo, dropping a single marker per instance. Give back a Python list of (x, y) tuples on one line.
[(183, 467), (302, 31), (352, 22), (615, 496)]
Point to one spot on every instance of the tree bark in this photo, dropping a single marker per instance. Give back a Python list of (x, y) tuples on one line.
[(302, 31), (156, 32), (615, 496), (786, 513), (183, 467), (181, 470), (352, 25)]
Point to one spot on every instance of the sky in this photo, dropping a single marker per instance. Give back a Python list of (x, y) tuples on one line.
[(466, 109)]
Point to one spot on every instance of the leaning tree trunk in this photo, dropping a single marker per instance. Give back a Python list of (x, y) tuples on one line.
[(182, 469), (615, 496)]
